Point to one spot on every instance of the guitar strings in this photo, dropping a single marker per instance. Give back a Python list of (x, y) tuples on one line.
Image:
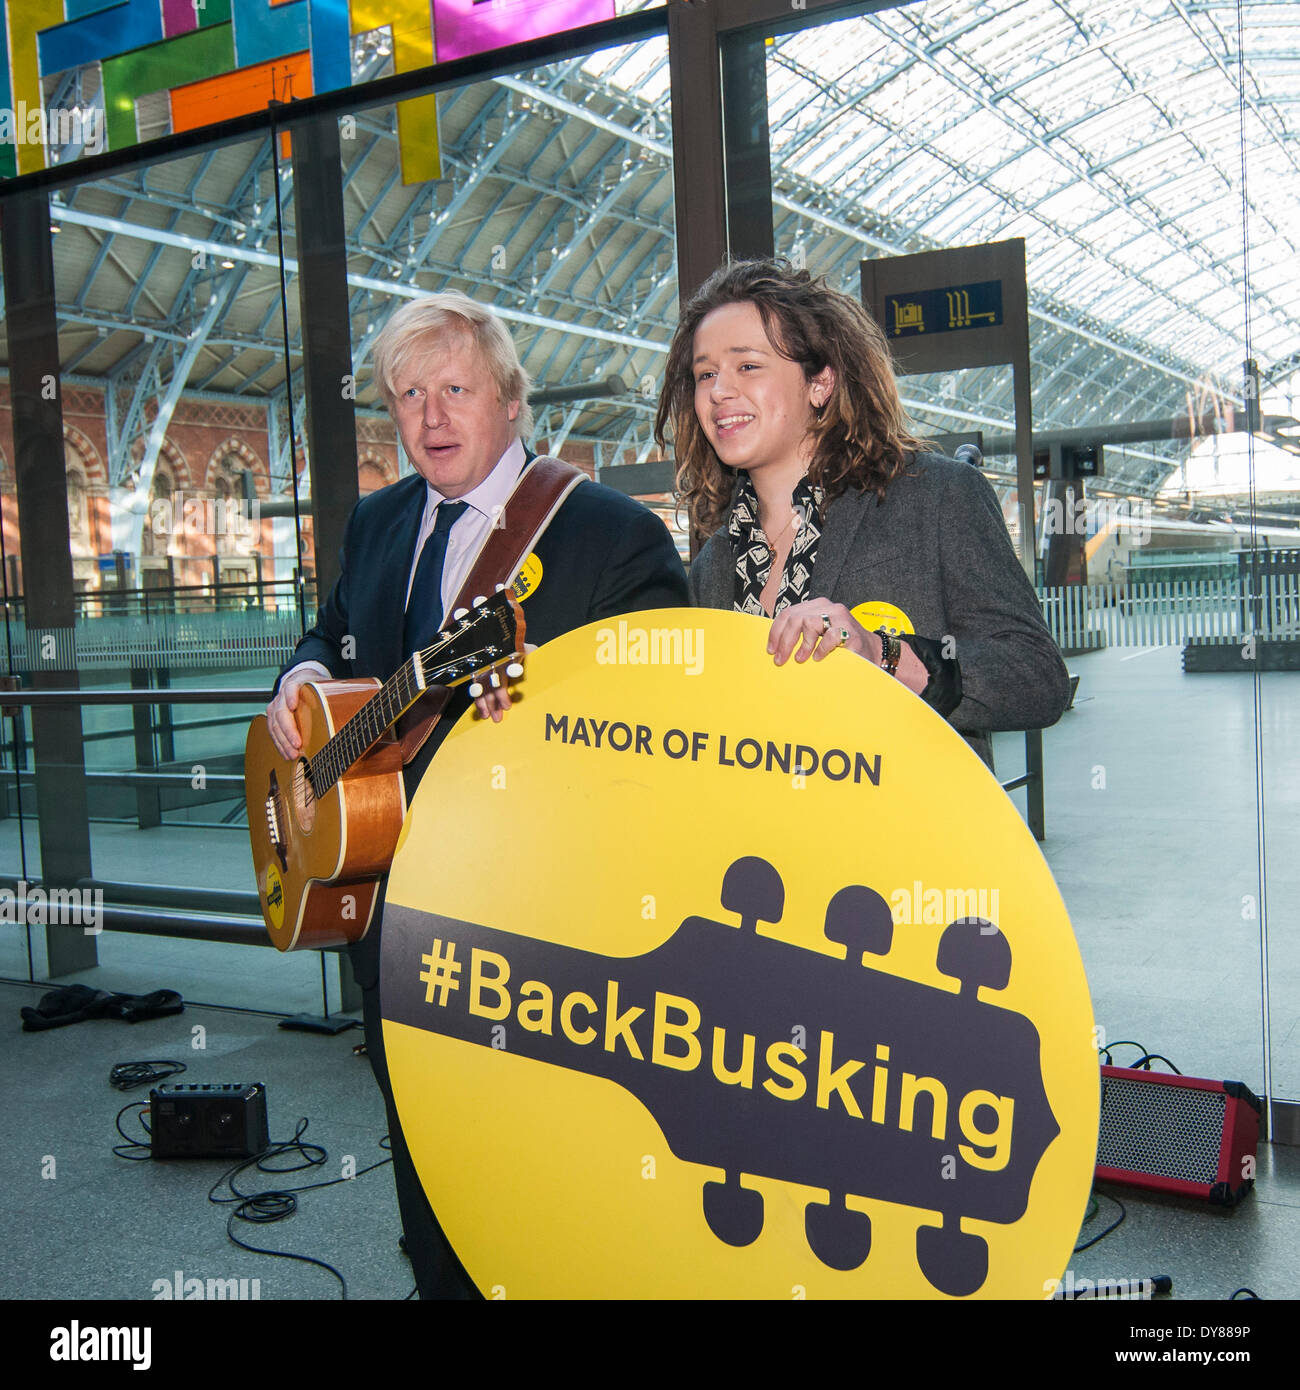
[(387, 704), (383, 708)]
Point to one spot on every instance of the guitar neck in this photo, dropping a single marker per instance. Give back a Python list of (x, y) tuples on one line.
[(489, 633)]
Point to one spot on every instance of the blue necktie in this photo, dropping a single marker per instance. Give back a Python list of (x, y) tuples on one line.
[(424, 608)]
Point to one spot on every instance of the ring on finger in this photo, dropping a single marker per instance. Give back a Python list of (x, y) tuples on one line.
[(844, 637), (826, 622)]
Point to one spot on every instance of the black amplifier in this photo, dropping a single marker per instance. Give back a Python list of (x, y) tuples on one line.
[(208, 1120)]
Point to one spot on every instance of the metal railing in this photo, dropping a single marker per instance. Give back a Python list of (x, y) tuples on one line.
[(1261, 601), (240, 596), (214, 914), (162, 641), (140, 907), (152, 735)]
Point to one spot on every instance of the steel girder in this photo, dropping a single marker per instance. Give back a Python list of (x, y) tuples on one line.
[(614, 278)]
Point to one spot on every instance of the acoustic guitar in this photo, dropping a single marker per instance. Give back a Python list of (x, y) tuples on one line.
[(324, 826)]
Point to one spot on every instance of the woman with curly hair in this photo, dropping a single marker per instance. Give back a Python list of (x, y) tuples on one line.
[(824, 511)]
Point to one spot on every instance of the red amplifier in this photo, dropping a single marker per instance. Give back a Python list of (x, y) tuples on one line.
[(1178, 1134)]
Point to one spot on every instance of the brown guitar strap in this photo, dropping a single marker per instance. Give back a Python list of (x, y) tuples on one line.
[(529, 510)]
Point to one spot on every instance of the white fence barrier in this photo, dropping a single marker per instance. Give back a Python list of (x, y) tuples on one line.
[(229, 641), (1081, 616)]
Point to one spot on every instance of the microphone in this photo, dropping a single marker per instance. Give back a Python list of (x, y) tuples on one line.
[(968, 453)]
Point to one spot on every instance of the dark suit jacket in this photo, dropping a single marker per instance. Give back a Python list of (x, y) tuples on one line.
[(601, 556), (938, 549)]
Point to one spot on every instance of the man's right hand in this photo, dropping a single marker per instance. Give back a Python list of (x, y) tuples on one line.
[(280, 717)]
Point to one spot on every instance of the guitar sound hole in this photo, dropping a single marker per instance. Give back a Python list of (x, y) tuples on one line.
[(304, 798)]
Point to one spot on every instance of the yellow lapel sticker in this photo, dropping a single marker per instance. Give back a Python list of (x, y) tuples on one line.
[(876, 615), (529, 577), (745, 1054)]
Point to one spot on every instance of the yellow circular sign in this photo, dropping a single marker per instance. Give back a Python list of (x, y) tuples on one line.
[(528, 578), (874, 616), (773, 998), (274, 896)]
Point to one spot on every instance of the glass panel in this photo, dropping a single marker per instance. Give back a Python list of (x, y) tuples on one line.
[(170, 316), (1108, 141), (554, 206), (173, 391), (1267, 473), (13, 732), (554, 200)]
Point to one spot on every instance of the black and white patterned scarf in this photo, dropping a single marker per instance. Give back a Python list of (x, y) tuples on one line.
[(753, 554)]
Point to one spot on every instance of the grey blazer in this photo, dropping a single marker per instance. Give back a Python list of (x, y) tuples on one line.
[(938, 549)]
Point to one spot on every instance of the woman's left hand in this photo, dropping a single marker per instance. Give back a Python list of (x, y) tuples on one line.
[(814, 629)]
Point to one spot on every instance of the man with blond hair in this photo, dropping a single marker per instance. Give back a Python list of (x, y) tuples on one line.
[(449, 375)]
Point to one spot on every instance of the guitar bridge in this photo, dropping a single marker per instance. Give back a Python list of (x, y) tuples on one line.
[(275, 821)]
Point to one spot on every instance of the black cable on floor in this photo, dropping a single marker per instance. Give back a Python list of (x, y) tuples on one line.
[(1118, 1221), (122, 1150), (1123, 1042), (1145, 1062), (125, 1076), (274, 1204)]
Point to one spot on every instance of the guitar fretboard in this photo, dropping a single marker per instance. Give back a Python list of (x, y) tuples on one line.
[(452, 659), (364, 729)]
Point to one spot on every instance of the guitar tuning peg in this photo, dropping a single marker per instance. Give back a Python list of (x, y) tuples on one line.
[(478, 602), (496, 681), (460, 613), (475, 691), (514, 670), (501, 588)]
